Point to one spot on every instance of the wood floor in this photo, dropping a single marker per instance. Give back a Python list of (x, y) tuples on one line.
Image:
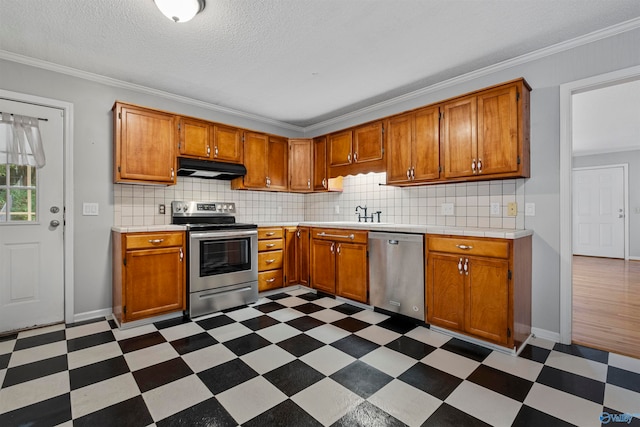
[(606, 304)]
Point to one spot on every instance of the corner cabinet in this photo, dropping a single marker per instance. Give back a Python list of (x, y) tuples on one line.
[(480, 287), (300, 165), (149, 274), (144, 145)]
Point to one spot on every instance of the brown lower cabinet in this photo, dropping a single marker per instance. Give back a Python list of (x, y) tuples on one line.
[(480, 287), (304, 255), (339, 262), (148, 274)]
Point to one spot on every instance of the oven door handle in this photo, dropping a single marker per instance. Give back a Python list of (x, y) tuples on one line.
[(222, 235), (215, 294)]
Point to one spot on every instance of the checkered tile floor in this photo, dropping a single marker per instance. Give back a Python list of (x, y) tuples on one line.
[(298, 359)]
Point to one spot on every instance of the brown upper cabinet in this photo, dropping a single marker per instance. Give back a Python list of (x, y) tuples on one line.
[(265, 158), (486, 134), (357, 150), (227, 144), (144, 145), (194, 138), (320, 179), (413, 146), (300, 165)]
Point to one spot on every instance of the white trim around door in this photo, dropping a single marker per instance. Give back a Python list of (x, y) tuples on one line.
[(67, 109)]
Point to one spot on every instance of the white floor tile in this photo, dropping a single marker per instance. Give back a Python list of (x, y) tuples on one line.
[(244, 314), (621, 399), (250, 399), (7, 346), (175, 396), (229, 332), (123, 334), (292, 301), (378, 335), (328, 316), (327, 302), (623, 362), (427, 336), (327, 401), (285, 314), (267, 358), (577, 365), (388, 361), (34, 391), (208, 357), (181, 331), (105, 393), (327, 359), (94, 354), (88, 329), (370, 316), (484, 404), (277, 333), (35, 354), (451, 363), (565, 406), (297, 292), (148, 356), (327, 333), (541, 342), (518, 366), (406, 403), (40, 331)]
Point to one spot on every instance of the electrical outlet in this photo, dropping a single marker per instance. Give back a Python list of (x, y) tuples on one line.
[(512, 209), (90, 209), (530, 209), (279, 210), (447, 209), (336, 209), (495, 208), (161, 209)]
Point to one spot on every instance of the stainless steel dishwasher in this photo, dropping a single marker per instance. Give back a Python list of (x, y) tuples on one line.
[(396, 273)]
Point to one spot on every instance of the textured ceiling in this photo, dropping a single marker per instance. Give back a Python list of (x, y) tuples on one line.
[(296, 61)]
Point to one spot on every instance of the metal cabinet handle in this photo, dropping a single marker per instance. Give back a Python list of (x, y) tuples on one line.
[(464, 247), (270, 245), (270, 233), (409, 173), (181, 255), (338, 250), (349, 157), (156, 240), (466, 267), (298, 234), (473, 166), (479, 165), (215, 151), (308, 183), (273, 279), (413, 173), (355, 157), (332, 247), (324, 182), (460, 266), (338, 236), (270, 261), (173, 173), (208, 150)]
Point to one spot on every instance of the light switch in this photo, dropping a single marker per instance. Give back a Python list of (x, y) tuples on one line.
[(90, 209), (530, 209)]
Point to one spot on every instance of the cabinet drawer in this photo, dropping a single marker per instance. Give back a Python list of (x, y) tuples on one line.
[(269, 245), (269, 280), (153, 240), (464, 246), (269, 260), (340, 235), (270, 233)]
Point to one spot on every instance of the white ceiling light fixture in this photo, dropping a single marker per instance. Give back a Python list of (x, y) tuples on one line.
[(180, 10)]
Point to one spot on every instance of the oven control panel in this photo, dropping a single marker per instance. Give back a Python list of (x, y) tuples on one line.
[(179, 208)]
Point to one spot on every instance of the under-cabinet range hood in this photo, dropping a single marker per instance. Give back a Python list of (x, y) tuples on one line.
[(208, 169)]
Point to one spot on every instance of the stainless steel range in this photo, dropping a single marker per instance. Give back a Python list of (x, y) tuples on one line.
[(222, 256)]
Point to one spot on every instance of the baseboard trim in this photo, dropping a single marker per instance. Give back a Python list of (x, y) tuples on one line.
[(634, 258), (88, 315), (547, 335)]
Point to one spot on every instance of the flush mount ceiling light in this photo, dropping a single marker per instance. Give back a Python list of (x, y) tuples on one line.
[(180, 10)]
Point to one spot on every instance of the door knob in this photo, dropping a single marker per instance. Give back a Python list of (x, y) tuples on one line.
[(54, 223)]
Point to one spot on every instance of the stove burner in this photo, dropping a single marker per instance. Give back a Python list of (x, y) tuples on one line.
[(205, 216)]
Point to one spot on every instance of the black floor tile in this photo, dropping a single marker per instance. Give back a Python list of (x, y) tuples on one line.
[(577, 385), (286, 413), (308, 308), (204, 414), (501, 382), (530, 417), (347, 309), (293, 377), (260, 322), (246, 344), (31, 371), (193, 342), (399, 324), (350, 324), (448, 416), (4, 360), (161, 374), (97, 372), (537, 354), (236, 308), (355, 346), (90, 340), (310, 296), (42, 339), (410, 347), (140, 342), (50, 412), (85, 322), (430, 380), (276, 297), (172, 322), (132, 412), (305, 323), (624, 379), (113, 324), (215, 322), (367, 415), (611, 417), (300, 345), (227, 375), (362, 379), (269, 307), (466, 349), (8, 337), (581, 351)]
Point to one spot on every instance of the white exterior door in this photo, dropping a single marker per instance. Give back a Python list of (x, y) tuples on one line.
[(598, 212), (31, 244)]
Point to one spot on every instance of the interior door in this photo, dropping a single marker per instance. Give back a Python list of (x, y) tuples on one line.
[(598, 212), (31, 244)]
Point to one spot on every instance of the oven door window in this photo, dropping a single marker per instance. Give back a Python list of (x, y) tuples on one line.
[(225, 256)]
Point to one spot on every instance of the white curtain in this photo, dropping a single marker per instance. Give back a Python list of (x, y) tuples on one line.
[(20, 141)]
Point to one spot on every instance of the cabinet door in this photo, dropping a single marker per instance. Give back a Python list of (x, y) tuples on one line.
[(339, 149), (290, 256), (304, 254), (426, 145), (487, 296), (155, 282), (367, 143), (351, 271), (227, 144), (194, 138), (323, 265), (277, 162), (460, 137), (320, 164), (445, 292), (399, 147), (145, 148), (498, 131), (300, 156), (255, 155)]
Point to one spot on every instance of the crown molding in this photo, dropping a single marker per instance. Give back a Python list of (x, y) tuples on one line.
[(98, 78)]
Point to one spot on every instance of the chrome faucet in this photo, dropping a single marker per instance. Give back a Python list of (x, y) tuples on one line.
[(360, 217)]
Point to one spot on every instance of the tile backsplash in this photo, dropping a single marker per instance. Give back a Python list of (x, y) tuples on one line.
[(138, 204)]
